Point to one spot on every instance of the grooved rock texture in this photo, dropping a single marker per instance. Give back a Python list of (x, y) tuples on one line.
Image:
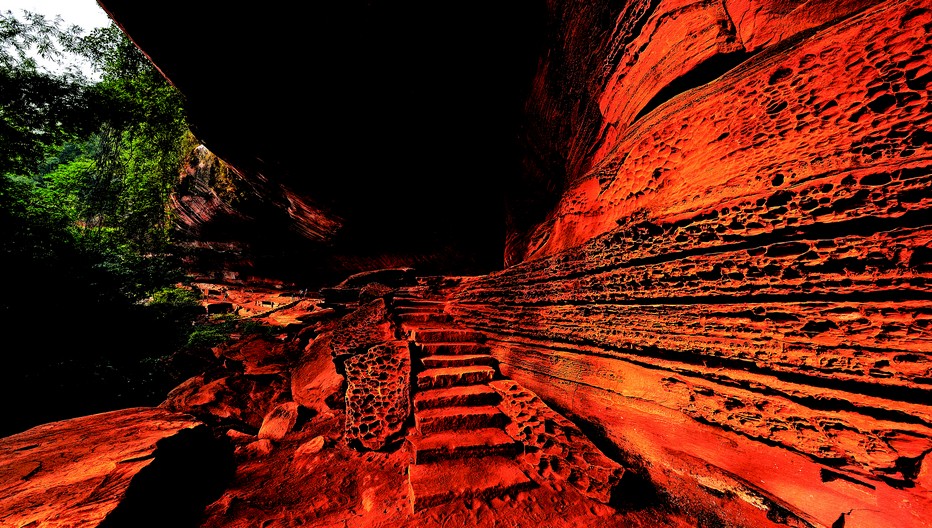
[(801, 124), (120, 468), (216, 208), (647, 54), (760, 24), (742, 276), (378, 394)]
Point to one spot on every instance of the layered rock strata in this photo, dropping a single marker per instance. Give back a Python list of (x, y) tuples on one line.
[(742, 275)]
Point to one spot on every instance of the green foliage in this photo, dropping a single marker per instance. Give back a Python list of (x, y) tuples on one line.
[(87, 169), (135, 275), (110, 151), (34, 230), (220, 328), (175, 308), (216, 331), (176, 297), (38, 109), (143, 146), (251, 327), (47, 38)]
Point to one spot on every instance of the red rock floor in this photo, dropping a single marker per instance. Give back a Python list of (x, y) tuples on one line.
[(342, 487), (339, 487)]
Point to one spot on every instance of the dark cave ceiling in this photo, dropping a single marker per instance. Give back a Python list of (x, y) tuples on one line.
[(399, 119)]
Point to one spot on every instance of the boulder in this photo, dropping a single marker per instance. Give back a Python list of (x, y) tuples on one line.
[(315, 380), (279, 422), (259, 448), (311, 447), (235, 397)]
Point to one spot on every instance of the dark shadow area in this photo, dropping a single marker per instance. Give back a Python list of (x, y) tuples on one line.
[(74, 359), (190, 470), (704, 73), (636, 490), (399, 118)]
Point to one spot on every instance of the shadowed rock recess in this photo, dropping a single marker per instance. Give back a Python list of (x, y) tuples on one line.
[(647, 263)]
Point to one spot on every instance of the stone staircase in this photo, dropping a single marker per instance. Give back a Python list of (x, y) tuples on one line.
[(459, 448)]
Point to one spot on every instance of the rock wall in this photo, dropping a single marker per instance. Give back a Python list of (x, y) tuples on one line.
[(378, 395), (631, 114), (734, 283)]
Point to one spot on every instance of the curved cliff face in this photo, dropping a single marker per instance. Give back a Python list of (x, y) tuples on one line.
[(592, 132), (735, 281)]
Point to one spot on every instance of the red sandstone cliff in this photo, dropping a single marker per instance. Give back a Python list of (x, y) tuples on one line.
[(717, 245), (735, 282)]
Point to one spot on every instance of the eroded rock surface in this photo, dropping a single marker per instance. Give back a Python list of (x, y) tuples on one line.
[(378, 394), (235, 398), (555, 446), (258, 355), (362, 328), (279, 422), (820, 131), (737, 280), (719, 246)]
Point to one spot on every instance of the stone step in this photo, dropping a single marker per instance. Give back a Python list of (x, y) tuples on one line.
[(424, 317), (457, 395), (447, 335), (483, 478), (442, 349), (436, 378), (414, 298), (408, 303), (459, 360), (460, 417), (426, 308), (448, 445)]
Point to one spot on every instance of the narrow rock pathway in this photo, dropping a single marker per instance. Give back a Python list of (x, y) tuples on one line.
[(459, 448)]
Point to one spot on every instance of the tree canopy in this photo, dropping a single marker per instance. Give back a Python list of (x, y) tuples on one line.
[(87, 169)]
